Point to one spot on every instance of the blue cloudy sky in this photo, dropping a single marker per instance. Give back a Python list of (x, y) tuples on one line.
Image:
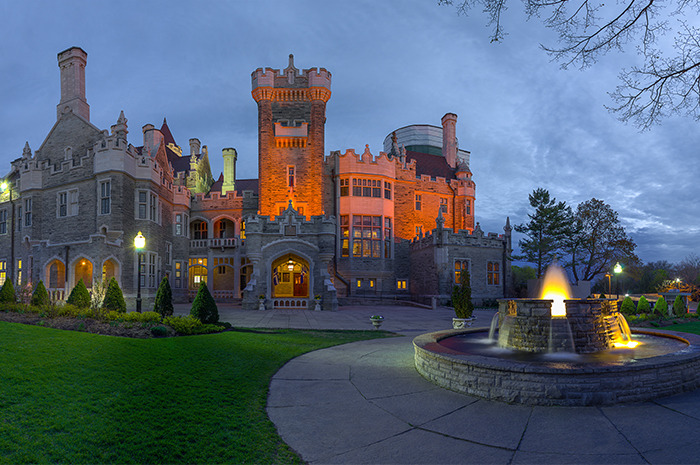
[(527, 123)]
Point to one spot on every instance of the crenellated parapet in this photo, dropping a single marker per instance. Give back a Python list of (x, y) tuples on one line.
[(477, 238), (291, 85)]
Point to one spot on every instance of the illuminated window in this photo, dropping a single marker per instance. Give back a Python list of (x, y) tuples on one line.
[(493, 273), (19, 272), (372, 282), (242, 230), (443, 205), (460, 265), (290, 176), (401, 284), (419, 199), (3, 271), (366, 236), (178, 274), (345, 235), (359, 282)]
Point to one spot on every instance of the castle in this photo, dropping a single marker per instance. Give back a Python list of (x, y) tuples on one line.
[(313, 229)]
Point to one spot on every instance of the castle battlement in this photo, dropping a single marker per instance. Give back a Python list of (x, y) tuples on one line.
[(291, 77)]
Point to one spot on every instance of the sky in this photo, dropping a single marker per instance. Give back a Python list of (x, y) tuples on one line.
[(527, 122)]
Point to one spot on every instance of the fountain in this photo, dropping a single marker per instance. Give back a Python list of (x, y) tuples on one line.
[(560, 351)]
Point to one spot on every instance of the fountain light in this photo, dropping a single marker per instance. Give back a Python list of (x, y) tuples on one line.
[(556, 288)]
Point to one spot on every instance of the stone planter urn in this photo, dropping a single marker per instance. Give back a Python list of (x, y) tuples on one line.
[(460, 323), (317, 300), (376, 320), (261, 305)]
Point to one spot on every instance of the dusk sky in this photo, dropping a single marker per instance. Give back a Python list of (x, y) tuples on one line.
[(526, 122)]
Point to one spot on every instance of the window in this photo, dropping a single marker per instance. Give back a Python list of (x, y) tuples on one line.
[(178, 224), (401, 284), (178, 274), (153, 207), (3, 271), (418, 201), (387, 190), (290, 176), (493, 273), (19, 214), (27, 212), (469, 207), (387, 237), (67, 203), (62, 204), (460, 265), (73, 202), (168, 253), (142, 205), (105, 197), (345, 235), (443, 205), (357, 188), (418, 229), (3, 221), (147, 206), (365, 188), (367, 236), (359, 282), (372, 282), (151, 270), (344, 187), (200, 230), (242, 229), (19, 272)]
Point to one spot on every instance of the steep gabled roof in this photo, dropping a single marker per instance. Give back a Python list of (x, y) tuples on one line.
[(247, 185), (431, 165)]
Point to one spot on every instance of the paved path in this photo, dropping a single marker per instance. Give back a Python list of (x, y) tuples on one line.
[(365, 403)]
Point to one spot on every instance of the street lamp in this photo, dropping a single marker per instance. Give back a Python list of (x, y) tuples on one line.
[(609, 276), (617, 269), (5, 186), (139, 244)]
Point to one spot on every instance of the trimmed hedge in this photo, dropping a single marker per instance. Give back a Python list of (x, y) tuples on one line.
[(204, 308), (79, 296), (164, 299), (40, 296), (114, 298), (7, 292)]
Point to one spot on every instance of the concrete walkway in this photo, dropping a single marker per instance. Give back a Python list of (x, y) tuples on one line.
[(365, 403)]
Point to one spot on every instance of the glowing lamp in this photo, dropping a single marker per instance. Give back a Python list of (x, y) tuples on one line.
[(618, 268), (3, 186), (139, 241), (290, 265)]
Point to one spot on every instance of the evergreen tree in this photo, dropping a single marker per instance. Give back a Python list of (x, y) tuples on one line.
[(7, 292), (114, 298), (164, 299), (462, 296), (204, 306), (679, 306), (547, 231), (79, 296), (661, 307), (40, 296), (643, 305), (628, 306)]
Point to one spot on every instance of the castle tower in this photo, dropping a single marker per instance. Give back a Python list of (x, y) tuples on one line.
[(291, 133), (72, 64), (229, 184), (449, 139)]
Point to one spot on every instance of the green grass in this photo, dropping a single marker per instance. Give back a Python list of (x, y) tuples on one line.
[(71, 397), (690, 327)]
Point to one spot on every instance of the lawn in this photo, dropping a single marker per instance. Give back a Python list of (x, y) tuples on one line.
[(690, 327), (72, 397)]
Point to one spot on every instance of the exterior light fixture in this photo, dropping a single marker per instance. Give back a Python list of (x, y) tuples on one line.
[(139, 244), (290, 264), (618, 269)]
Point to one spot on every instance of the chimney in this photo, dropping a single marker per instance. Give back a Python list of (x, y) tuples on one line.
[(449, 139), (72, 64), (229, 184), (152, 138), (195, 146)]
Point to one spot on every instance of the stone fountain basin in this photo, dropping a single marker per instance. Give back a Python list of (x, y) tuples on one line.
[(568, 383)]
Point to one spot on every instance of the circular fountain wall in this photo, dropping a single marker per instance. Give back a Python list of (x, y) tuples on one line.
[(596, 374)]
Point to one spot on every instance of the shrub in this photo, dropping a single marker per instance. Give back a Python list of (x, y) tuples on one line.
[(679, 306), (98, 291), (40, 296), (79, 296), (204, 308), (643, 305), (602, 296), (114, 299), (462, 296), (159, 331), (661, 307), (7, 292), (628, 306), (164, 299), (183, 324)]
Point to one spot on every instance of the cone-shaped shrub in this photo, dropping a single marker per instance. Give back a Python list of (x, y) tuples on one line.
[(114, 299), (679, 306), (602, 296), (79, 296), (462, 296), (661, 307), (628, 306), (40, 296), (643, 305), (204, 306), (164, 299), (7, 292)]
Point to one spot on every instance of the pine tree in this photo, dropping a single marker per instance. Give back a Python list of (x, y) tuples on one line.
[(79, 296), (643, 305), (204, 306), (164, 299), (40, 296), (7, 293), (462, 296), (679, 306), (628, 306), (661, 307), (114, 298)]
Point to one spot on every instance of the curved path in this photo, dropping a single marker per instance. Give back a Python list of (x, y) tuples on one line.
[(365, 403)]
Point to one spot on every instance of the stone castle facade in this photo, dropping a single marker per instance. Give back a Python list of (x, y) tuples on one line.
[(314, 229)]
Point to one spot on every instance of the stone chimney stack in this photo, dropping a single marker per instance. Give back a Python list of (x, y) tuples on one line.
[(195, 146), (229, 184), (449, 139), (72, 64), (152, 138)]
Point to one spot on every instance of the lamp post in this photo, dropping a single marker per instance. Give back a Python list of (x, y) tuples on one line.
[(139, 244), (5, 186), (617, 269), (609, 276)]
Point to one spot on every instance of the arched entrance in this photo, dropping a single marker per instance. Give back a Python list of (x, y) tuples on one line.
[(56, 280), (290, 282), (83, 270), (110, 270)]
